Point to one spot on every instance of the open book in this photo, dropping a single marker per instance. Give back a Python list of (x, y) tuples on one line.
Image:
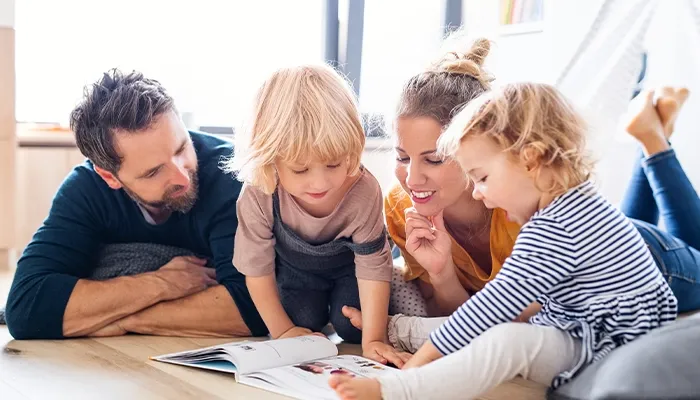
[(296, 367)]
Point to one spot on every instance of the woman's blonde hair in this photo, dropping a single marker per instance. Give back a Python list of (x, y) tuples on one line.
[(453, 79), (531, 121), (300, 113), (450, 81)]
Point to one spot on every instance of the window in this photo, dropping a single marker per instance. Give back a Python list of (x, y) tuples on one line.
[(400, 38), (210, 54)]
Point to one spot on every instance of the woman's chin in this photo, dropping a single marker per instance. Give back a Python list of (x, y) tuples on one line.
[(427, 210)]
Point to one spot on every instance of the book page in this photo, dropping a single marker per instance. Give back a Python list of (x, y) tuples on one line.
[(220, 366), (310, 379), (257, 356)]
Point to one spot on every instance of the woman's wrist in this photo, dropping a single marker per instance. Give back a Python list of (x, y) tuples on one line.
[(446, 274)]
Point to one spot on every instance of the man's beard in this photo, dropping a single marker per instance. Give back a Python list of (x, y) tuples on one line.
[(182, 203)]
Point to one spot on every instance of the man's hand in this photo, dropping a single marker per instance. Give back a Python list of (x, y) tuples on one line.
[(184, 276), (383, 353)]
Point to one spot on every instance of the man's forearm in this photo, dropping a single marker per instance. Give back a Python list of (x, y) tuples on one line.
[(96, 304), (211, 312)]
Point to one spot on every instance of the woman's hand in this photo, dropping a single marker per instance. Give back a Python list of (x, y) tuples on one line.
[(429, 243)]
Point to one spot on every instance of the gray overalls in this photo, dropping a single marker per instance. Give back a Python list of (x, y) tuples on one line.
[(316, 281)]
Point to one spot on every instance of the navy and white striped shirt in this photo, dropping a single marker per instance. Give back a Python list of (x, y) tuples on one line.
[(585, 262)]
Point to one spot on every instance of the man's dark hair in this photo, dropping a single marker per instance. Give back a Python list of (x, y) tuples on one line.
[(117, 102)]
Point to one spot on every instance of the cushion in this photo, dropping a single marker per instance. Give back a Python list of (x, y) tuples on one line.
[(663, 364), (125, 259)]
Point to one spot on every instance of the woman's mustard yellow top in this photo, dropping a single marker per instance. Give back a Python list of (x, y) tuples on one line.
[(472, 277)]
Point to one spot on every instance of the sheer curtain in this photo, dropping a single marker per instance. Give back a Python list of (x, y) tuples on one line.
[(210, 54), (601, 77)]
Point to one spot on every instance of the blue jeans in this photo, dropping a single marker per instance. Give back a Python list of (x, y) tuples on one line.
[(660, 188)]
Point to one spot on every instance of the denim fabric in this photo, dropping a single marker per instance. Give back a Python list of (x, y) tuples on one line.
[(678, 262), (660, 188)]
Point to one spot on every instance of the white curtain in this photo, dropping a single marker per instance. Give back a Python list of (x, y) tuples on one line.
[(601, 76), (603, 72)]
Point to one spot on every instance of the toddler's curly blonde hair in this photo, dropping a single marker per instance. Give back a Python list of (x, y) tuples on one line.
[(533, 122)]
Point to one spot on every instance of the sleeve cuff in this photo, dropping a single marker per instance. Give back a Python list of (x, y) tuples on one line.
[(38, 313), (438, 344), (382, 273)]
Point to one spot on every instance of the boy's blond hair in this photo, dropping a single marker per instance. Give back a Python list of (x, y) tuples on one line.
[(532, 121), (300, 113)]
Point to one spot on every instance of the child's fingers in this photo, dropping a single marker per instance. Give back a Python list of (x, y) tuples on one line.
[(333, 382), (391, 355), (405, 357)]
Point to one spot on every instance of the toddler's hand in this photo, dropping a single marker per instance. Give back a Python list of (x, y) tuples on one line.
[(383, 353), (299, 331)]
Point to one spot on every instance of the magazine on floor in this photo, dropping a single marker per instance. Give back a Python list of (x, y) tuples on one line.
[(297, 367)]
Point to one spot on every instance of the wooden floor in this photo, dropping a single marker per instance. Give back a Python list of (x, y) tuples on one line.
[(119, 368)]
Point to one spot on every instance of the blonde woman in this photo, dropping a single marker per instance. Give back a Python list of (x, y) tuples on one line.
[(431, 191), (311, 236)]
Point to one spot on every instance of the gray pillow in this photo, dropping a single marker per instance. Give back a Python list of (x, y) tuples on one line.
[(664, 364)]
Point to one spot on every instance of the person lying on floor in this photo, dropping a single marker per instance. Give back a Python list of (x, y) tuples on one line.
[(139, 238)]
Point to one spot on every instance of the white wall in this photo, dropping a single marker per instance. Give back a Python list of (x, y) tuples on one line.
[(514, 57), (673, 42), (531, 56), (7, 13)]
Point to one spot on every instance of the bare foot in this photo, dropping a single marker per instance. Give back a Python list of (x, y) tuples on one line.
[(668, 104), (354, 315), (642, 118), (644, 124), (348, 388)]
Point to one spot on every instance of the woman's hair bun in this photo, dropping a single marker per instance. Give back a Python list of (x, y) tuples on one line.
[(468, 63)]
